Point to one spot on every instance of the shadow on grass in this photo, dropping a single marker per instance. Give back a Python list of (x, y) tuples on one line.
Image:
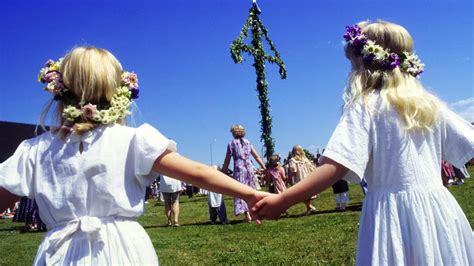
[(182, 201), (197, 224), (13, 228), (21, 229), (357, 207)]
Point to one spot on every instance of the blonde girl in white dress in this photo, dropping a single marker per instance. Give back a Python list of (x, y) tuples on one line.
[(395, 134), (89, 175), (299, 167)]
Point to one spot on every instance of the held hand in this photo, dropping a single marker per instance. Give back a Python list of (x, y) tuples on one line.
[(270, 207), (258, 195)]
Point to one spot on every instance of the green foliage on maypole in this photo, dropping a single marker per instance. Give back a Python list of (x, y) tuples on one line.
[(255, 49)]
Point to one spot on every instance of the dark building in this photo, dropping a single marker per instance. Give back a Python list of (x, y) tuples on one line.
[(12, 134)]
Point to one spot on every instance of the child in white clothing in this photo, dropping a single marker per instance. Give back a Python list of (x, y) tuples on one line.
[(88, 175), (341, 192), (389, 125), (216, 204)]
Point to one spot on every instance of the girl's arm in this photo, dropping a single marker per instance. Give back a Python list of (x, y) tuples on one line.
[(283, 175), (291, 169), (322, 177), (7, 199), (203, 176), (257, 158), (267, 176), (226, 161)]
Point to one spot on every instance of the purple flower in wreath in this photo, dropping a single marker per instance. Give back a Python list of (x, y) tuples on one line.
[(352, 32), (52, 76), (130, 79), (134, 92), (354, 37), (392, 61), (89, 111), (359, 42), (369, 58)]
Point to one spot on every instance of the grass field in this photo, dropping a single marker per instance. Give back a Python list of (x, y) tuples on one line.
[(328, 237)]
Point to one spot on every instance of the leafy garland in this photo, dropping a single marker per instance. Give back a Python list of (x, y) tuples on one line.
[(258, 52)]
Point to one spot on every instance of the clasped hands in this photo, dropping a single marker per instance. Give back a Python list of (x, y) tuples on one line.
[(265, 205)]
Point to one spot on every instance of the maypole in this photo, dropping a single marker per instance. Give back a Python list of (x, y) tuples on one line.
[(255, 49)]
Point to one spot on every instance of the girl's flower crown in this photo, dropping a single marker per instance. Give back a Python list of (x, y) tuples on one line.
[(51, 75), (380, 57)]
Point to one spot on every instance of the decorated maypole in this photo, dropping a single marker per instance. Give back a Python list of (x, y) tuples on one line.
[(256, 49)]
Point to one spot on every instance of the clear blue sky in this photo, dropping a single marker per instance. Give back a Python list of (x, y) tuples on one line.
[(190, 88)]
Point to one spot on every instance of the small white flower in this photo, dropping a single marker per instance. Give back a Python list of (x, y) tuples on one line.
[(71, 113)]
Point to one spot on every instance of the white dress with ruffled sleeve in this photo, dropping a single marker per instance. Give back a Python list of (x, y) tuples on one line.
[(408, 216), (89, 200)]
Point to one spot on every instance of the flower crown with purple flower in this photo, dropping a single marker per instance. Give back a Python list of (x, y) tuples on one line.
[(106, 113), (380, 57)]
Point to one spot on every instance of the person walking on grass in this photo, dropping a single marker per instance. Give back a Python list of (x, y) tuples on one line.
[(240, 150), (389, 125), (276, 174), (299, 168), (171, 189)]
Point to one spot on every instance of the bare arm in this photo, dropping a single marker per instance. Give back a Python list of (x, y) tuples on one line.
[(291, 170), (283, 175), (257, 158), (7, 199), (226, 161), (179, 167), (322, 177)]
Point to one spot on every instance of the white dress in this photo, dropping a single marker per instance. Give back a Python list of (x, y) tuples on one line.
[(170, 185), (214, 199), (89, 201), (408, 216)]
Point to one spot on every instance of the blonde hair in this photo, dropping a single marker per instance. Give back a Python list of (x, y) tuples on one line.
[(237, 131), (416, 106), (92, 75), (298, 153)]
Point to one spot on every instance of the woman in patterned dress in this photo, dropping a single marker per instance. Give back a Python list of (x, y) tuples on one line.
[(240, 150)]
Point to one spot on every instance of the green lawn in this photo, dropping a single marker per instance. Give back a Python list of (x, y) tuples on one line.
[(328, 237)]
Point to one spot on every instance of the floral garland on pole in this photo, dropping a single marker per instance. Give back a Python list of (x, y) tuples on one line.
[(256, 49)]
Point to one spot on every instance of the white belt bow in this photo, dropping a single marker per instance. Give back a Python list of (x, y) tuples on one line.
[(61, 239)]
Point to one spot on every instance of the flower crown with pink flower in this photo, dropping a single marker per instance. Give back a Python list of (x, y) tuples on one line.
[(107, 113), (380, 57)]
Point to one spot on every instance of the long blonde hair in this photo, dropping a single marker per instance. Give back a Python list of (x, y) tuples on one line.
[(93, 76), (416, 106), (298, 153)]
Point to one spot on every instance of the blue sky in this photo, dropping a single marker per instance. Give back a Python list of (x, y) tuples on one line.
[(190, 88)]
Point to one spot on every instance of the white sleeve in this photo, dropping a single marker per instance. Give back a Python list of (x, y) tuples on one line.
[(17, 172), (148, 144), (350, 143), (457, 138)]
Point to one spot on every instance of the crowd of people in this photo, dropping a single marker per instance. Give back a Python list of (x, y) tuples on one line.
[(275, 177), (25, 211)]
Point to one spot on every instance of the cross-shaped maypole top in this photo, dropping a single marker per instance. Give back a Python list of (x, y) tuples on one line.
[(257, 51), (258, 31), (256, 7)]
